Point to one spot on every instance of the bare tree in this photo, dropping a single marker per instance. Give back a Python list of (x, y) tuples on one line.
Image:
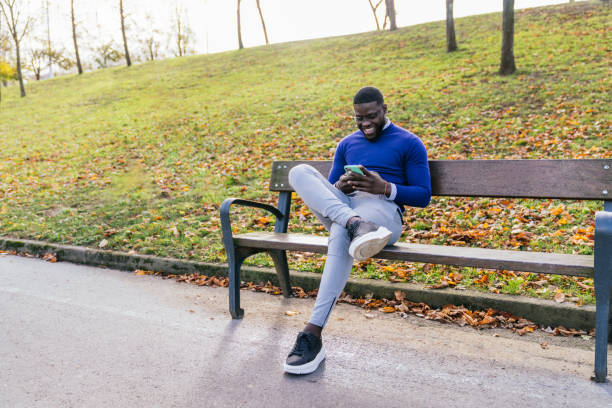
[(128, 61), (240, 45), (263, 23), (451, 41), (374, 8), (390, 4), (507, 66), (12, 12), (150, 41), (183, 32), (7, 72), (74, 39), (106, 53), (150, 47), (385, 20), (5, 42), (37, 56), (35, 61)]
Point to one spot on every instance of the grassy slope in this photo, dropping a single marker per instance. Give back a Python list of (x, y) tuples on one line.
[(141, 157)]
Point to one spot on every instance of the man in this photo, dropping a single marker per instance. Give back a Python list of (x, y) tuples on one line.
[(362, 212)]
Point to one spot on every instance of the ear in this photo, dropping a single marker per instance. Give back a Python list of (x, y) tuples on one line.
[(385, 108)]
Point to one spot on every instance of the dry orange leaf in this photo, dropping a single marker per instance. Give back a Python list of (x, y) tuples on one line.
[(443, 284), (388, 309), (292, 313), (399, 295), (50, 258), (556, 211), (487, 320)]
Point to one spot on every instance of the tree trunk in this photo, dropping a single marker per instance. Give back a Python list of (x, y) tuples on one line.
[(128, 61), (374, 7), (451, 41), (2, 82), (263, 23), (74, 39), (240, 45), (178, 33), (507, 66), (19, 75), (391, 13)]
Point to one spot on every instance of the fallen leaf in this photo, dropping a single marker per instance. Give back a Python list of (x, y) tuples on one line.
[(388, 309), (103, 243), (441, 285), (560, 297), (292, 313), (49, 258), (369, 315), (544, 345), (487, 320)]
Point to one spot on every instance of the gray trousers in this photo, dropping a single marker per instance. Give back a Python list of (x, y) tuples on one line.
[(334, 208)]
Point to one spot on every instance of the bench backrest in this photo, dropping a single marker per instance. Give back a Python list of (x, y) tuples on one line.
[(582, 179)]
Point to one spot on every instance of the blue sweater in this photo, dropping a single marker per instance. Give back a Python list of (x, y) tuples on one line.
[(397, 155)]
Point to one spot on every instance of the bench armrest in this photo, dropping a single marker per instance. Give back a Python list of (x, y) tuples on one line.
[(226, 226)]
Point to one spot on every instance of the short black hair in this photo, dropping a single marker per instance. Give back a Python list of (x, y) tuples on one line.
[(368, 94)]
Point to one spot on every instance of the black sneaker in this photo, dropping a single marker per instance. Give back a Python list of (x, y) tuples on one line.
[(307, 354), (367, 239)]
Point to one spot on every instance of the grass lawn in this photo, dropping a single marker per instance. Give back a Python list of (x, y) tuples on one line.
[(139, 159)]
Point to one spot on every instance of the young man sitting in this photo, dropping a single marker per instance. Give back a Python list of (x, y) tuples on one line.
[(362, 212)]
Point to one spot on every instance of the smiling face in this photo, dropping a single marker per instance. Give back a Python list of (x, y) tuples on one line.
[(370, 118)]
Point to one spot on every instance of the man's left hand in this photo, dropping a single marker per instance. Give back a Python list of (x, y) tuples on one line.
[(370, 182)]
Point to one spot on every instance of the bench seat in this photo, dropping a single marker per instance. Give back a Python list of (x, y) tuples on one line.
[(524, 261)]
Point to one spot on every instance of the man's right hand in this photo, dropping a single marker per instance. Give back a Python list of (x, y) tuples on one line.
[(343, 185)]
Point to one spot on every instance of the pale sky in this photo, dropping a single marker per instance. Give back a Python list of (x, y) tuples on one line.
[(214, 21)]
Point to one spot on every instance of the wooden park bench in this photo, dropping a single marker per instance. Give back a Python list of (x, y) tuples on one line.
[(546, 179)]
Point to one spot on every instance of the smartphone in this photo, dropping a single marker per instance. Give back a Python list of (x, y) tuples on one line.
[(354, 168)]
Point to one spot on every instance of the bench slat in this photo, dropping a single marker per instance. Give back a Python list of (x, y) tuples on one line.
[(539, 262), (585, 179)]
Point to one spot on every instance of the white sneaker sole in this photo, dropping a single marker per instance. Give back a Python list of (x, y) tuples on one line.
[(308, 367), (370, 244)]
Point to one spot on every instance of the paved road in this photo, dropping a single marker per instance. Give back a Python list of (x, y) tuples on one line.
[(74, 336)]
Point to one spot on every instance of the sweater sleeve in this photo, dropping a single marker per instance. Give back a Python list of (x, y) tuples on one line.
[(416, 191), (337, 169)]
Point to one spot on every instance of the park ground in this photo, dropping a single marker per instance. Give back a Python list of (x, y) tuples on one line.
[(78, 336), (139, 159)]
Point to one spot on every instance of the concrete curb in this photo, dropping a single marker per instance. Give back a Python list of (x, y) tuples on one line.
[(543, 312)]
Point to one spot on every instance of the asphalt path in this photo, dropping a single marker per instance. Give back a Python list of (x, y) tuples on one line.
[(77, 336)]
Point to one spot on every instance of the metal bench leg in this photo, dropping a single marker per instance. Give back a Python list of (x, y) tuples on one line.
[(603, 288), (282, 270), (234, 287), (602, 320), (235, 259)]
